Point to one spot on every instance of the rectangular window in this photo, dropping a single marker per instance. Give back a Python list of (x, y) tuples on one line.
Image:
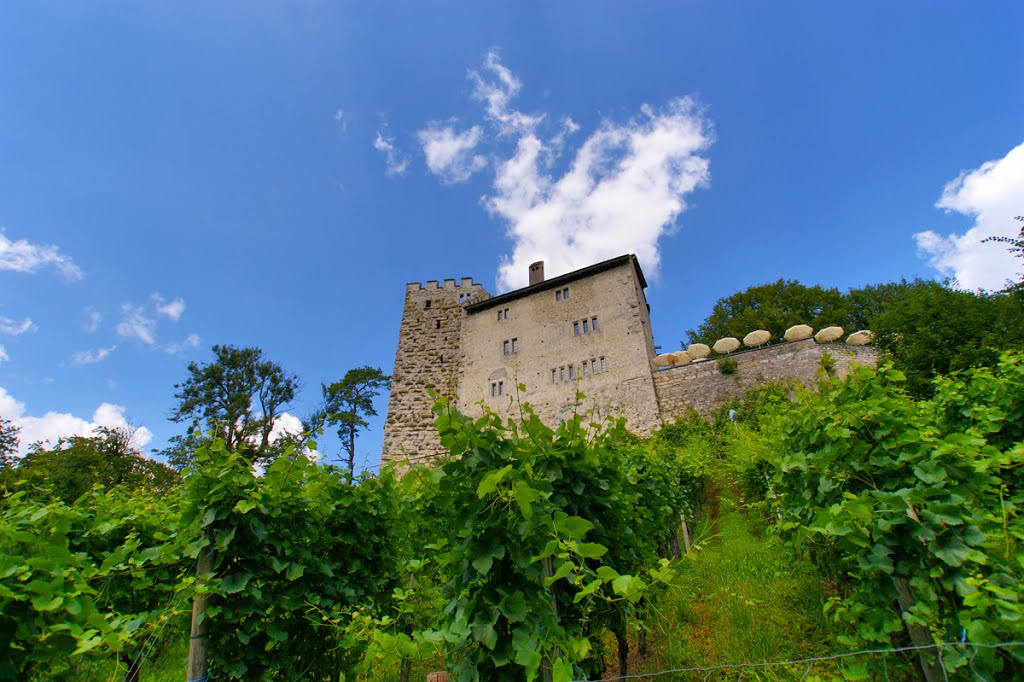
[(426, 305), (504, 347), (494, 390), (501, 387), (593, 366), (515, 345), (585, 330), (558, 294), (554, 376), (593, 323), (604, 365), (565, 293), (575, 328), (437, 325), (561, 373), (586, 369), (506, 313), (499, 316), (572, 372)]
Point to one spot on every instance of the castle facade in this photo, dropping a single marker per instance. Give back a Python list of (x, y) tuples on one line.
[(587, 331)]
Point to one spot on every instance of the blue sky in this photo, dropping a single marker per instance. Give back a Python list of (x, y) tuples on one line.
[(175, 175)]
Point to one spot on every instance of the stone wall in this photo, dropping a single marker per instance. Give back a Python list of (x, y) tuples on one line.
[(552, 334), (429, 352), (704, 387)]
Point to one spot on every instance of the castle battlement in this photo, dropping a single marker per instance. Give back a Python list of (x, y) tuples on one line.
[(449, 285)]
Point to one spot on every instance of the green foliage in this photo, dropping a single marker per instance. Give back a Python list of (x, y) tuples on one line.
[(881, 488), (552, 534), (238, 396), (294, 551), (775, 307), (932, 330), (98, 576), (827, 362), (76, 464), (348, 402), (727, 365)]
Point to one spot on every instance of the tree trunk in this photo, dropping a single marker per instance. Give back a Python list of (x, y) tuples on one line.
[(352, 450), (199, 641), (622, 644), (919, 635)]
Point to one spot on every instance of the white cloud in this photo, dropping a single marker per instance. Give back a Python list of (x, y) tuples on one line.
[(14, 328), (90, 357), (172, 310), (4, 357), (624, 187), (395, 162), (992, 195), (622, 192), (93, 322), (450, 154), (24, 256), (496, 86), (175, 347), (135, 324), (52, 426)]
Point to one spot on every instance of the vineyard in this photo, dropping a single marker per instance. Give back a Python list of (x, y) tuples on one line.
[(558, 554)]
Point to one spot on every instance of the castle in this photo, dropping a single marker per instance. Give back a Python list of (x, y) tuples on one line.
[(586, 331)]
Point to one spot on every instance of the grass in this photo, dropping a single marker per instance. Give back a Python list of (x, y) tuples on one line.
[(741, 597)]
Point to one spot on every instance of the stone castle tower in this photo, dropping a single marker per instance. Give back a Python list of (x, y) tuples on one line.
[(429, 353)]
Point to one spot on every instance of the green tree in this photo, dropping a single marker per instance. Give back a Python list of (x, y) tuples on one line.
[(76, 464), (932, 330), (348, 402), (10, 434), (775, 307), (238, 396)]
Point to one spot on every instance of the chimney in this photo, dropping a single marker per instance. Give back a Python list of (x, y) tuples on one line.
[(536, 272)]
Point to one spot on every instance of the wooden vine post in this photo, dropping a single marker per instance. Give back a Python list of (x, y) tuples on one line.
[(198, 643), (919, 634)]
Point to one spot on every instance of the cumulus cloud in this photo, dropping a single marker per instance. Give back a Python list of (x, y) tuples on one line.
[(395, 162), (175, 347), (496, 86), (172, 310), (449, 153), (25, 256), (135, 324), (52, 426), (14, 328), (621, 189), (991, 195), (91, 357)]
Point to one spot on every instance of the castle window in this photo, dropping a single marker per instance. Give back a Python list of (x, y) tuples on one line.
[(575, 328), (506, 313), (565, 294), (593, 366), (554, 376), (586, 369), (437, 325), (585, 330), (515, 345), (593, 323), (604, 365), (440, 358), (494, 390), (501, 387), (505, 347), (572, 372), (499, 315), (561, 373), (558, 294), (427, 304)]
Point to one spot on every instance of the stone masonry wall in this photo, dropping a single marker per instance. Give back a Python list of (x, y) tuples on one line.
[(429, 352), (702, 385), (621, 351)]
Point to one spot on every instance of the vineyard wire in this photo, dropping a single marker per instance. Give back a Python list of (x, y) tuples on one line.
[(811, 661)]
